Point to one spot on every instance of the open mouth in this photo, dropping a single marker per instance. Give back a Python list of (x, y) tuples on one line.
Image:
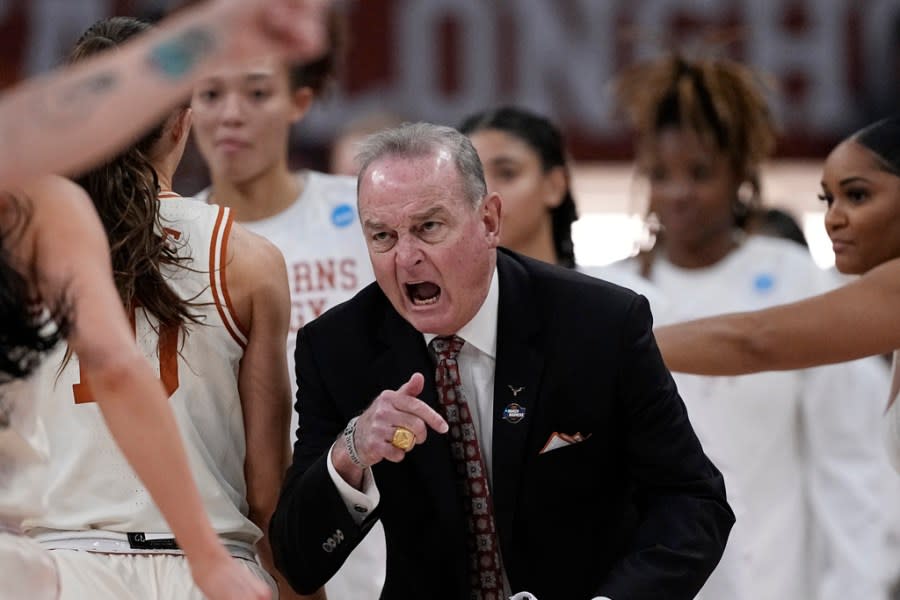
[(423, 293)]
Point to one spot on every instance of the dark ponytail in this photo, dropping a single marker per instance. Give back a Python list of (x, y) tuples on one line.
[(547, 141), (125, 192), (882, 138)]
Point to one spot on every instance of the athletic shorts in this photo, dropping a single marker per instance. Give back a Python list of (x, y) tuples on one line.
[(100, 576)]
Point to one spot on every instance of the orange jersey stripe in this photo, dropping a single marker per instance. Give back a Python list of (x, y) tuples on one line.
[(223, 260), (216, 271)]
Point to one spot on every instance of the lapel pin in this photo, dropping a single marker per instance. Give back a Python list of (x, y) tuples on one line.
[(513, 413), (515, 390)]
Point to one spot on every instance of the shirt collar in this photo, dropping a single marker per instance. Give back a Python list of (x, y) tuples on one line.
[(481, 331)]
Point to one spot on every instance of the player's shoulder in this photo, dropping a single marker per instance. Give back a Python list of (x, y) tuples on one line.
[(58, 213), (52, 197), (254, 250)]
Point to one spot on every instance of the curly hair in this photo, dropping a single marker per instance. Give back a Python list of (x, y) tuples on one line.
[(548, 142), (718, 100)]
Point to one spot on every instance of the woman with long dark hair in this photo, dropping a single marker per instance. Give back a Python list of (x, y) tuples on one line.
[(524, 157), (209, 308), (57, 282)]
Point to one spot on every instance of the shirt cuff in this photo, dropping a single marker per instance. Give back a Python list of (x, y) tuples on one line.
[(359, 503)]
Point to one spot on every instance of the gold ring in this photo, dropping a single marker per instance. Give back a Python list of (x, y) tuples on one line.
[(404, 439)]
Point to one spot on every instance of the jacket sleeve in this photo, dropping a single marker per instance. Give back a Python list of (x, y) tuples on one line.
[(311, 531), (684, 516)]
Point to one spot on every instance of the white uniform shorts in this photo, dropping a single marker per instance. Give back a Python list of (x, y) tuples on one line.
[(100, 576), (26, 570)]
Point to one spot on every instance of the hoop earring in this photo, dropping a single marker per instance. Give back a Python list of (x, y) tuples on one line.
[(743, 202), (652, 231)]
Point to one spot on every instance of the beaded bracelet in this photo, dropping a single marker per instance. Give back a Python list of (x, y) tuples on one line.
[(350, 443)]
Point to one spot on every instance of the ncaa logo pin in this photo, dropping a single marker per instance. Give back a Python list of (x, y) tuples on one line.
[(513, 413), (342, 215)]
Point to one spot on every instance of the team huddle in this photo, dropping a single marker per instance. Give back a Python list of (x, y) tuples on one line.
[(475, 414)]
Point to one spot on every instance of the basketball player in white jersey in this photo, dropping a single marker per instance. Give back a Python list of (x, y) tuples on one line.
[(210, 310), (54, 256), (54, 259), (243, 115)]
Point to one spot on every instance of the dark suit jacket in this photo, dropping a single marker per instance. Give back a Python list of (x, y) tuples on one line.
[(635, 511)]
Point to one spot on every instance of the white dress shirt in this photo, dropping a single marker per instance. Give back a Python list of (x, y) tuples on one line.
[(476, 360)]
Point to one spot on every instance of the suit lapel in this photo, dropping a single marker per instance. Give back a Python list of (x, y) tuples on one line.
[(517, 377)]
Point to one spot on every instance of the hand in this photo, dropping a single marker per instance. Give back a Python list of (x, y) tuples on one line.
[(226, 579), (391, 409), (292, 29)]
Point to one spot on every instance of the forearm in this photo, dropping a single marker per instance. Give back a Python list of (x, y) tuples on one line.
[(106, 101), (137, 413), (728, 345)]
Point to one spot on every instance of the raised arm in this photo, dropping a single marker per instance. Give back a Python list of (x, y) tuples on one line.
[(257, 278), (857, 320), (79, 115), (71, 262)]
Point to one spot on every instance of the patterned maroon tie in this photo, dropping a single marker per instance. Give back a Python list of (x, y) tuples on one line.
[(484, 554)]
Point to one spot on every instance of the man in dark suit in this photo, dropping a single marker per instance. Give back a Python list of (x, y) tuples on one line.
[(570, 468)]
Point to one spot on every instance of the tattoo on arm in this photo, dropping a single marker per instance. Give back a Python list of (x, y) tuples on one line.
[(175, 57), (74, 102)]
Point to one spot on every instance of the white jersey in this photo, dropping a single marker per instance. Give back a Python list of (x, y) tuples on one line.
[(323, 247), (91, 485), (23, 453), (327, 262), (802, 469)]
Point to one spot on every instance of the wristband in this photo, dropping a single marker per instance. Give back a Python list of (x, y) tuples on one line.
[(350, 444)]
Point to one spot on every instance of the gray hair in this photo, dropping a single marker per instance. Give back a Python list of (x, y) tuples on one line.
[(416, 140)]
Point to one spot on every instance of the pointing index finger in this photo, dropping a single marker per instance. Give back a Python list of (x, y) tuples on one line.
[(407, 402)]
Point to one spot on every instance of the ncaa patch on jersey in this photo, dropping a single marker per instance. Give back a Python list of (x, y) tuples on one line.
[(342, 215), (763, 283)]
